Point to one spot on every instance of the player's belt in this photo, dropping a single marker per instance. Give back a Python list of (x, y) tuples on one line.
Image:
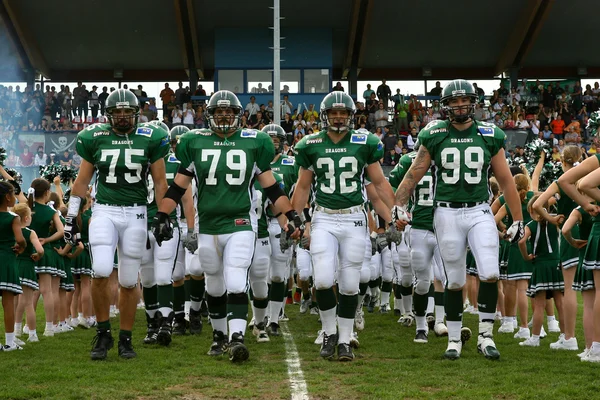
[(120, 205), (459, 205), (351, 210)]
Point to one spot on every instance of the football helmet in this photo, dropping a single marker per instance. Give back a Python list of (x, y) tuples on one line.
[(337, 101), (122, 99), (176, 132), (277, 135), (456, 89), (224, 100), (160, 124)]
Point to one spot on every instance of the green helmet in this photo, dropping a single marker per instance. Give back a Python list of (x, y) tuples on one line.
[(160, 124), (122, 99), (224, 99), (335, 101), (276, 132), (176, 132), (456, 89)]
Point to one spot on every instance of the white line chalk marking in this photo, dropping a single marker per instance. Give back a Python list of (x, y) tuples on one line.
[(292, 359)]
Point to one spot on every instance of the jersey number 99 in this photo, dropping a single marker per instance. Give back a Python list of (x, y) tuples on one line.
[(472, 159)]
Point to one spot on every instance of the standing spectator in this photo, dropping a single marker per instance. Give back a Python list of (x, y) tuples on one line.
[(140, 94), (299, 133), (12, 160), (558, 126), (381, 116), (40, 158), (372, 107), (415, 107), (199, 117), (361, 114), (389, 139), (288, 125), (338, 87), (367, 93), (165, 96), (438, 112), (270, 112), (535, 126), (252, 107), (66, 159), (311, 112), (176, 116), (384, 93), (179, 95), (548, 98), (102, 99), (26, 158), (170, 109), (76, 97), (147, 112), (428, 117), (200, 92), (415, 123), (437, 90), (286, 105), (94, 102), (153, 109), (188, 115), (83, 102)]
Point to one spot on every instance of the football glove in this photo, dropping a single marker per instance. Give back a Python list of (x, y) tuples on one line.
[(284, 241), (190, 241), (393, 235), (400, 213), (305, 242), (382, 242), (162, 228), (373, 246), (71, 231), (294, 221), (515, 232)]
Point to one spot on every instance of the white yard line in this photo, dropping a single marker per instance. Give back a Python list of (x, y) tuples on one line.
[(292, 359)]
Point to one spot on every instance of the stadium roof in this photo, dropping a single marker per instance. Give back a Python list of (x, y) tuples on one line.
[(395, 39)]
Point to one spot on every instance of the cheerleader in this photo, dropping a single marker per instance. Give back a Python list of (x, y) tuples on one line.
[(546, 275), (584, 278), (569, 255), (26, 264), (11, 242)]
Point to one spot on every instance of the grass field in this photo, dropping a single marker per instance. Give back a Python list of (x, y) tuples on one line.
[(388, 365)]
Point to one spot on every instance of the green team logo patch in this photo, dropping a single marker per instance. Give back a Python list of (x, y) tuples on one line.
[(143, 131)]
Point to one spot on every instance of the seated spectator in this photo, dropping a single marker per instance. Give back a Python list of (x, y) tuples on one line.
[(299, 120), (11, 160), (535, 125), (287, 124), (521, 123), (149, 114), (428, 116), (490, 114), (256, 119), (142, 118), (391, 158), (574, 126), (592, 150), (311, 112), (399, 146), (76, 161), (40, 158), (152, 107), (415, 107), (379, 132), (26, 158), (199, 117), (66, 159), (438, 111), (410, 139), (561, 145), (243, 122), (479, 112), (546, 133), (555, 154), (389, 139), (52, 160), (572, 137), (498, 121), (415, 123), (558, 126)]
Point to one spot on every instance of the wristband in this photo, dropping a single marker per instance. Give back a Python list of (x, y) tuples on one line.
[(74, 206)]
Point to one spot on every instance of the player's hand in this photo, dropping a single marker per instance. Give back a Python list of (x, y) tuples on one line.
[(515, 232), (400, 216), (71, 232), (373, 246), (285, 242), (294, 227), (381, 241), (305, 240), (393, 235), (190, 241), (162, 228)]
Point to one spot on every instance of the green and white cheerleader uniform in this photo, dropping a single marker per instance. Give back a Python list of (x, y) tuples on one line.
[(66, 282), (9, 271), (82, 265), (569, 255), (41, 220), (584, 278), (517, 268), (26, 265), (547, 275), (504, 245)]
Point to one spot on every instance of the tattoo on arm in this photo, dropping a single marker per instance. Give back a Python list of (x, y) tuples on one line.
[(417, 170)]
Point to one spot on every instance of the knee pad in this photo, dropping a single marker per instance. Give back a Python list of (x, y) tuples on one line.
[(387, 268), (422, 287), (258, 274), (164, 260), (365, 274), (457, 277), (215, 285), (128, 273), (406, 276), (236, 280), (179, 270), (147, 275), (278, 270), (194, 267), (304, 264), (103, 242)]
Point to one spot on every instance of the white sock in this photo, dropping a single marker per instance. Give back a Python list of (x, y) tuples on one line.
[(195, 305), (595, 347), (151, 313), (259, 314), (49, 326), (345, 326), (187, 306), (328, 320), (219, 324), (374, 293), (360, 302), (80, 315), (274, 311), (550, 318), (454, 328), (486, 316), (430, 304), (408, 303), (397, 303), (385, 298), (165, 311), (283, 307), (10, 338), (18, 326), (237, 325), (421, 323), (32, 333), (439, 314)]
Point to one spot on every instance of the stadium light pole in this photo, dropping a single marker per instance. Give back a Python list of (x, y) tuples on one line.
[(276, 62)]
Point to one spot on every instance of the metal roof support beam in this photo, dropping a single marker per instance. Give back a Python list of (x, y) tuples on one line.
[(359, 22), (188, 38), (523, 35), (25, 38)]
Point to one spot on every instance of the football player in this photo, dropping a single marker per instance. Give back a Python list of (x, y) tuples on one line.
[(225, 160), (422, 244), (122, 153), (461, 153), (159, 265), (338, 158)]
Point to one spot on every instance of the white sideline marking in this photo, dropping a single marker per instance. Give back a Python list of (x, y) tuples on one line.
[(292, 359)]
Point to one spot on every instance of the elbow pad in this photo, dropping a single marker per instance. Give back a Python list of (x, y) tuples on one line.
[(274, 192), (175, 193)]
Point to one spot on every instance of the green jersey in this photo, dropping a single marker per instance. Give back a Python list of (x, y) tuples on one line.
[(122, 161), (262, 204), (171, 166), (421, 202), (225, 170), (461, 160), (41, 219), (286, 167), (29, 250), (7, 237), (339, 168)]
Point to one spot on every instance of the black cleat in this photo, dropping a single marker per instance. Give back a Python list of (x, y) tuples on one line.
[(273, 329), (151, 330), (345, 352), (126, 348), (421, 336), (195, 322), (238, 351), (204, 309), (101, 344), (397, 312), (328, 346), (372, 304), (179, 325), (218, 345), (165, 329), (430, 321)]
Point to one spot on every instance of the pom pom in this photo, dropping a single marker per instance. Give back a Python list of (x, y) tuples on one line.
[(15, 175), (49, 172), (67, 174), (593, 123), (533, 150), (67, 196), (2, 155)]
